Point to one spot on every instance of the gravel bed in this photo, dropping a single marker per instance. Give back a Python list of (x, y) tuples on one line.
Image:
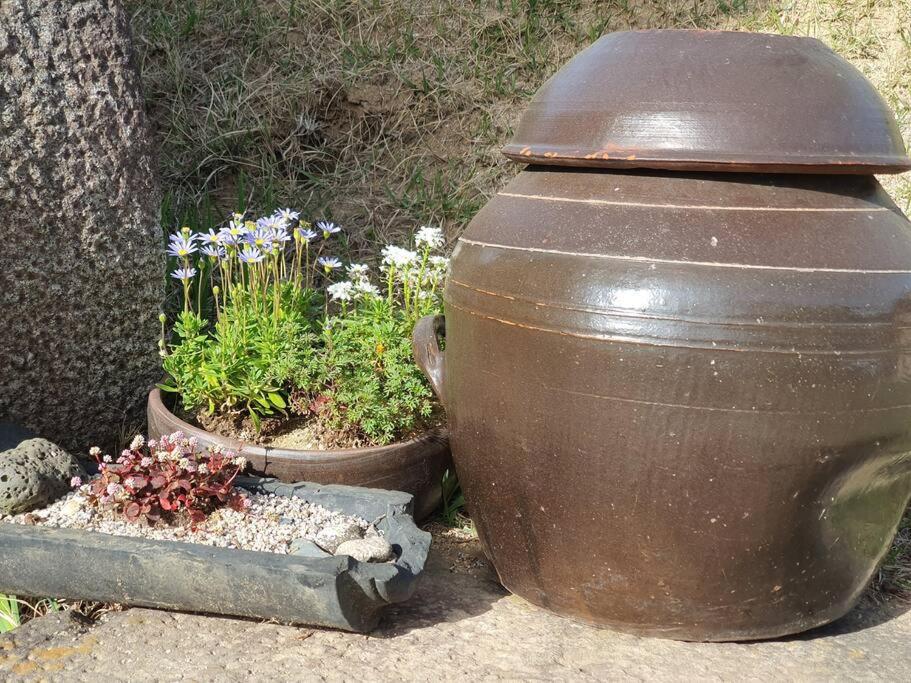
[(270, 524)]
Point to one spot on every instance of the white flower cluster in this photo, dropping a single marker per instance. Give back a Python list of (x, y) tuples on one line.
[(440, 264), (398, 256), (360, 281), (341, 291), (431, 238), (417, 272), (358, 271), (359, 287)]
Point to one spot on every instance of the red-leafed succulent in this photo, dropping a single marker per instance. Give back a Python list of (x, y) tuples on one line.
[(156, 480)]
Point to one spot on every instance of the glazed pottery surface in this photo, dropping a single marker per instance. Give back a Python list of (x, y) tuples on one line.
[(710, 100), (680, 404), (414, 466)]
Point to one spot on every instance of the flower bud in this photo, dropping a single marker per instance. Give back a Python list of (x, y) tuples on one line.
[(162, 318)]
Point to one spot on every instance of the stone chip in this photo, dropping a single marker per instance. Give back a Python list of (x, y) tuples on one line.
[(332, 536), (305, 548), (369, 549)]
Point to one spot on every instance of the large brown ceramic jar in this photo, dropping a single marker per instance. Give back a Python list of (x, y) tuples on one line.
[(680, 402)]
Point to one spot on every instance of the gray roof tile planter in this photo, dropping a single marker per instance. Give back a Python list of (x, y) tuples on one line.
[(337, 591)]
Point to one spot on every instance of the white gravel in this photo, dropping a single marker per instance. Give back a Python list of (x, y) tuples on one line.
[(268, 525)]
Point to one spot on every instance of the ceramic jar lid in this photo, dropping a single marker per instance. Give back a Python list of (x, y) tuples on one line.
[(710, 100)]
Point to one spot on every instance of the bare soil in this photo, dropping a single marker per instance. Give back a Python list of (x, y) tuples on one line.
[(461, 550), (294, 431), (291, 431)]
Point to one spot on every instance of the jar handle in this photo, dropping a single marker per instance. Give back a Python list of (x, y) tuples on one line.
[(425, 342)]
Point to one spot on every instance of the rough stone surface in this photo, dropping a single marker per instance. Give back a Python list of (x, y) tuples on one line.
[(459, 626), (81, 269), (332, 536), (305, 548), (33, 474), (370, 549)]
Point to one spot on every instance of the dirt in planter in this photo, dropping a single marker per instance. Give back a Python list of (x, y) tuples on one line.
[(292, 431)]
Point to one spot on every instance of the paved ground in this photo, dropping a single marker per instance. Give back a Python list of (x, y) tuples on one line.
[(460, 625)]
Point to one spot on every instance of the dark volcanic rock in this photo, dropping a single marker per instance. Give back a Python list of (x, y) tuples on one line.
[(34, 474)]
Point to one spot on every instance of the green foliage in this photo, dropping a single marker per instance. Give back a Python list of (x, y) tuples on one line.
[(453, 500), (373, 383), (268, 339), (246, 359), (373, 387), (9, 613)]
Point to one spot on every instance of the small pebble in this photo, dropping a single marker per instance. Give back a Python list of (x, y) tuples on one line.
[(369, 549), (331, 536)]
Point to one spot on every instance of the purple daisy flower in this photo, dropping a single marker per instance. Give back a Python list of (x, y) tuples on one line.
[(286, 215), (274, 222), (184, 274), (210, 238), (305, 234), (328, 228), (214, 251), (280, 235), (250, 254), (261, 238), (181, 245), (329, 263), (234, 233)]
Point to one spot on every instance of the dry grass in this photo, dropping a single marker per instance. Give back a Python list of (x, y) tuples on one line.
[(387, 114), (382, 115), (15, 611), (893, 580)]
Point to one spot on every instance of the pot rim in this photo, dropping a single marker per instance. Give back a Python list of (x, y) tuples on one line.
[(434, 435)]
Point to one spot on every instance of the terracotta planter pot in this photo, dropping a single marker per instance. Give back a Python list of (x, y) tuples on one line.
[(414, 466), (680, 403)]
